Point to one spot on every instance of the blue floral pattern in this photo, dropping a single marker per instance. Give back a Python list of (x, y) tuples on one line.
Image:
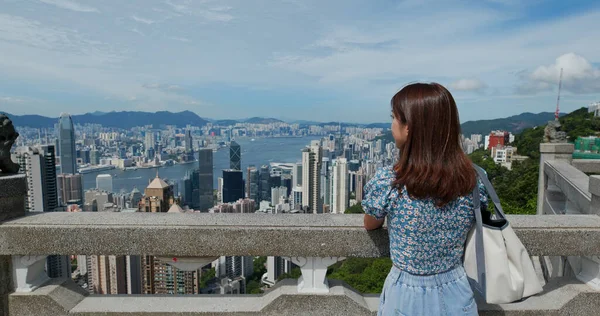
[(424, 238)]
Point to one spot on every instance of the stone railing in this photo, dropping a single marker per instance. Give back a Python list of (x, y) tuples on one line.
[(312, 241), (565, 188)]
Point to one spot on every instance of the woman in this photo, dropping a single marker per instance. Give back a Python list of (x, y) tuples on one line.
[(426, 198)]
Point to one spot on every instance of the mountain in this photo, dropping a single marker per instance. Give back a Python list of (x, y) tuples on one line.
[(514, 124), (124, 120), (262, 120), (225, 122)]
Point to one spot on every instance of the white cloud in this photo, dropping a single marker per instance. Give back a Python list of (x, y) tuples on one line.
[(579, 76), (181, 39), (468, 85), (11, 100), (164, 87), (142, 20), (215, 14), (70, 5)]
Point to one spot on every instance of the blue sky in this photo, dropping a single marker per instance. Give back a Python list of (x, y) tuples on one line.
[(337, 60)]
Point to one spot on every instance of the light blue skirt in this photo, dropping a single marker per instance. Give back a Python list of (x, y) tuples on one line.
[(446, 293)]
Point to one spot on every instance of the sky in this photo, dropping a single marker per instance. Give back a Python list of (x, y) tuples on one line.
[(334, 60)]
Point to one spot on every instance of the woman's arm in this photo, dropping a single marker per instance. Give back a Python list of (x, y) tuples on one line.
[(371, 223)]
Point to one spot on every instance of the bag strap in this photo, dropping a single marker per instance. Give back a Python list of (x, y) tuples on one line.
[(490, 189), (479, 250)]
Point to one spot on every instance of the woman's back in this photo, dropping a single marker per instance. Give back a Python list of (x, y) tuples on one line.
[(425, 238)]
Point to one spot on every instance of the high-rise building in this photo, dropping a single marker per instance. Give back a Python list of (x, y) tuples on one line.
[(235, 268), (38, 164), (297, 198), (277, 194), (150, 140), (135, 197), (340, 192), (252, 184), (162, 278), (235, 156), (189, 147), (361, 181), (219, 190), (107, 274), (104, 182), (276, 267), (233, 185), (264, 185), (205, 185), (326, 181), (311, 178), (66, 139), (71, 189), (94, 157)]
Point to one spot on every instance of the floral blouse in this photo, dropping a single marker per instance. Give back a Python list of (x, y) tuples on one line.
[(424, 238)]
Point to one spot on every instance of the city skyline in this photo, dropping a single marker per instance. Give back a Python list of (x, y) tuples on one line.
[(315, 60)]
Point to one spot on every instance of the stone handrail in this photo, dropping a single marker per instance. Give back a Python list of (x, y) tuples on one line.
[(308, 236), (305, 235)]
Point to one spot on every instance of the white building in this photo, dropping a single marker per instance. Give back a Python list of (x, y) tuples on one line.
[(297, 198), (277, 194), (104, 182), (340, 186), (594, 108)]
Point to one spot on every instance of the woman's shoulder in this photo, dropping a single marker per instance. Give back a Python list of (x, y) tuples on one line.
[(385, 174)]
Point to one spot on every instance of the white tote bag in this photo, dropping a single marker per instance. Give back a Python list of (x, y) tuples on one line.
[(496, 261)]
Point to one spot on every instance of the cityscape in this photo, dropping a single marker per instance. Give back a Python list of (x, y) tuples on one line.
[(74, 168)]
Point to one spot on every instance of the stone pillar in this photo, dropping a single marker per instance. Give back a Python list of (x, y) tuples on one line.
[(13, 191), (551, 151)]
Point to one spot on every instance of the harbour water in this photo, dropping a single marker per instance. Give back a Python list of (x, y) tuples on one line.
[(259, 152)]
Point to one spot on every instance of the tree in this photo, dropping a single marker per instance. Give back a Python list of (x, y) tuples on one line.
[(206, 277), (355, 209)]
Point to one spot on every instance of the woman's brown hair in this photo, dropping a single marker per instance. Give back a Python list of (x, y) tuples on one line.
[(432, 163)]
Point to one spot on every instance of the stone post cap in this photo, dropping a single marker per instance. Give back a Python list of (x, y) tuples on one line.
[(13, 185), (557, 148), (594, 186)]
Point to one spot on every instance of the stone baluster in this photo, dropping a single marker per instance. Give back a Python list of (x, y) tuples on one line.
[(314, 272)]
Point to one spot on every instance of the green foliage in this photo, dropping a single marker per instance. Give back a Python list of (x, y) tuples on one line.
[(207, 276), (366, 275), (253, 287), (294, 274), (260, 268), (355, 209)]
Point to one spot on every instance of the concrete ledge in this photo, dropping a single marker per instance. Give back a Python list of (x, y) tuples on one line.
[(587, 165), (560, 297), (302, 235)]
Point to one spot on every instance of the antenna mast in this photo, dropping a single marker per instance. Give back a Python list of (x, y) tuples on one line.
[(558, 98)]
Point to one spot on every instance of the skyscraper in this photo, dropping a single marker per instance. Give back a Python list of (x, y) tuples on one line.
[(297, 175), (38, 164), (66, 139), (340, 191), (252, 184), (104, 182), (311, 178), (233, 185), (264, 185), (235, 156), (189, 148), (326, 181), (205, 160)]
